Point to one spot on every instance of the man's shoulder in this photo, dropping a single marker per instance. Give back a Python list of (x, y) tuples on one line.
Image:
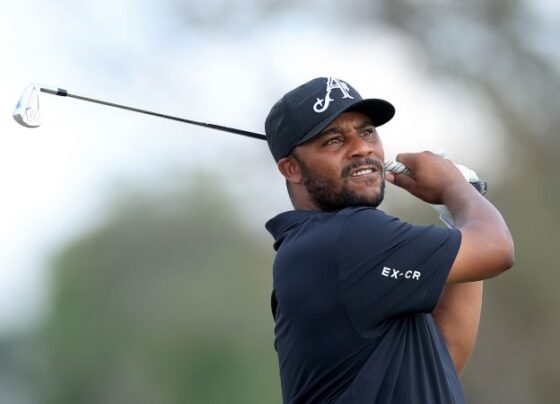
[(364, 213), (352, 219), (297, 217), (367, 218)]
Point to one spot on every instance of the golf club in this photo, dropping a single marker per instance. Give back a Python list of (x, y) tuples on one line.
[(27, 113)]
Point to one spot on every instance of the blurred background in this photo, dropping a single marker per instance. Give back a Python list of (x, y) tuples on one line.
[(134, 263)]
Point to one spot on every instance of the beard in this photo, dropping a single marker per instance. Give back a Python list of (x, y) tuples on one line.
[(323, 190)]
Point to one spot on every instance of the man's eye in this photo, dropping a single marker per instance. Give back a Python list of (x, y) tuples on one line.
[(334, 140), (368, 131)]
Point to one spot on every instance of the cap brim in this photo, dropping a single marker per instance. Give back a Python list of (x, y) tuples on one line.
[(379, 111)]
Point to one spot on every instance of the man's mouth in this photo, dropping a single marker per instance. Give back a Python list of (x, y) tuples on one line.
[(365, 168), (363, 171)]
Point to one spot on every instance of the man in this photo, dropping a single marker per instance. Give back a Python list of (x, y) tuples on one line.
[(370, 309)]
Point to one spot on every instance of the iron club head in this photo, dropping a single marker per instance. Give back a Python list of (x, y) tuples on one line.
[(26, 112)]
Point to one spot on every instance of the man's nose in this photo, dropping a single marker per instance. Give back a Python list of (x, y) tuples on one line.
[(359, 147)]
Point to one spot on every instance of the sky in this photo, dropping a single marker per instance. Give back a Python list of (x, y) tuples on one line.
[(58, 179)]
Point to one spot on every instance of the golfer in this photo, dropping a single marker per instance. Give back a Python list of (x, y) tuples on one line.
[(368, 308)]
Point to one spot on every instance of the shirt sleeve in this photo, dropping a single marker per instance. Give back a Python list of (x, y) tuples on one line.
[(388, 267)]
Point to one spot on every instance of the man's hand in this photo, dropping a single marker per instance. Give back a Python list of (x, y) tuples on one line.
[(431, 176)]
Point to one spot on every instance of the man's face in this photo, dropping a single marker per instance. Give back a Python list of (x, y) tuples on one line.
[(343, 166)]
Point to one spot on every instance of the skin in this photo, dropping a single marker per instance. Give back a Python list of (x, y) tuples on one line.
[(341, 150), (349, 144)]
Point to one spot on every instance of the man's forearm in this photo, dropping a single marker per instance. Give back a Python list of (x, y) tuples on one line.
[(472, 210), (487, 246)]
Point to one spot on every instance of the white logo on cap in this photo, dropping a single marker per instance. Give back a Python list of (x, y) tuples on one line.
[(323, 104)]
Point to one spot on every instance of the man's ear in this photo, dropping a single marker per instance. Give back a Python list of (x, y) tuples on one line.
[(290, 169)]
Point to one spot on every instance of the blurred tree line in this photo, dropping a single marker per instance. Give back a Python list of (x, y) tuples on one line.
[(168, 300)]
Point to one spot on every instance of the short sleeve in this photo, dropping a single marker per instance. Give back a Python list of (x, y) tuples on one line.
[(388, 267)]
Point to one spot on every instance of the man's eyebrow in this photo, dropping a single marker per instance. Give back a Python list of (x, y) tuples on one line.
[(331, 130), (364, 124), (338, 129)]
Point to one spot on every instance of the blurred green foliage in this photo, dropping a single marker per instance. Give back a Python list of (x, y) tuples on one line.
[(166, 302)]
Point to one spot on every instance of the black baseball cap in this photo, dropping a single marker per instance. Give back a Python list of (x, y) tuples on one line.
[(306, 111)]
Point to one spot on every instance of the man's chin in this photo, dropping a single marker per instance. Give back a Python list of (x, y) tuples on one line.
[(370, 202), (349, 193), (371, 197), (349, 199)]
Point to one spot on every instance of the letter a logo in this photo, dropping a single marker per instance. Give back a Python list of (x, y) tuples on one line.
[(322, 104)]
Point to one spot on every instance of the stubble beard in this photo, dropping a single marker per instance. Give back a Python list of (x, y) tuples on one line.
[(322, 190)]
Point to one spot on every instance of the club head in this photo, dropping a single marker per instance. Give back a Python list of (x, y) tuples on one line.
[(26, 112)]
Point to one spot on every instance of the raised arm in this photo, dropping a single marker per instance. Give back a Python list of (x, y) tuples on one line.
[(486, 244), (486, 247)]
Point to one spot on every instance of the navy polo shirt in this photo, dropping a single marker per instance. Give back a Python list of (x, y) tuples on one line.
[(352, 295)]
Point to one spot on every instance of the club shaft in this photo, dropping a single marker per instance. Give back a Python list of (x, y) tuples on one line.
[(64, 93), (23, 116)]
